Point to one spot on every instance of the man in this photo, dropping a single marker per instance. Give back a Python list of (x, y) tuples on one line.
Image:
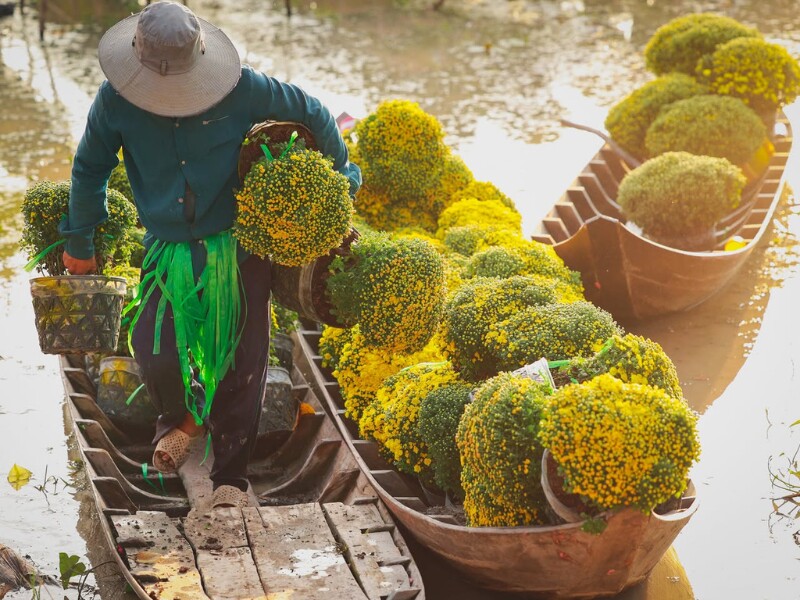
[(178, 102)]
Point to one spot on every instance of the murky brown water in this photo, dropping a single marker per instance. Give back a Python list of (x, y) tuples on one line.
[(498, 75)]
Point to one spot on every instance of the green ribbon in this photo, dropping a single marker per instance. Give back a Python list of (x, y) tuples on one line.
[(133, 395), (206, 312), (163, 490), (289, 145), (31, 265)]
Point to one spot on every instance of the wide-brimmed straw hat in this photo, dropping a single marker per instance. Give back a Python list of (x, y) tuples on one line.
[(168, 61)]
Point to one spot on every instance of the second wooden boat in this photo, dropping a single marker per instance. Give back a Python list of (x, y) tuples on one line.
[(634, 277), (560, 561)]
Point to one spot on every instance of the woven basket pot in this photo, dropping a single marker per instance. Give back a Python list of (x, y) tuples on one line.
[(119, 379), (77, 313)]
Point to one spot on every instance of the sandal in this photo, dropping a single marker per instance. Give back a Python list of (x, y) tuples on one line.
[(228, 495), (176, 445)]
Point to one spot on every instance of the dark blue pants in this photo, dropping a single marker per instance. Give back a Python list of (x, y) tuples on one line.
[(236, 406)]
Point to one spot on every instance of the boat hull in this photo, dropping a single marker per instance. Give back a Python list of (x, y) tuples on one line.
[(634, 277), (551, 562)]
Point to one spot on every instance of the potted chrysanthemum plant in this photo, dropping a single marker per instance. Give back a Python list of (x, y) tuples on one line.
[(292, 205), (611, 444), (75, 313)]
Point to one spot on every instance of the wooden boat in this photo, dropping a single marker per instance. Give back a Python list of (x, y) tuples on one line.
[(320, 529), (560, 561), (634, 277)]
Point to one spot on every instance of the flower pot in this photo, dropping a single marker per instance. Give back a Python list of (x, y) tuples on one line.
[(568, 507), (302, 289), (77, 313), (284, 347), (119, 379), (279, 407)]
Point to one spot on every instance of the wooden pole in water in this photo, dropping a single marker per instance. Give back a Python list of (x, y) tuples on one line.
[(288, 8), (42, 11)]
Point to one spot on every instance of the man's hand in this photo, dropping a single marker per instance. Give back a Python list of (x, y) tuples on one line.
[(79, 266)]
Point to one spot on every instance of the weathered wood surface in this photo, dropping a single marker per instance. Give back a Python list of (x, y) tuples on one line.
[(160, 558), (223, 554), (286, 551), (297, 555), (369, 547)]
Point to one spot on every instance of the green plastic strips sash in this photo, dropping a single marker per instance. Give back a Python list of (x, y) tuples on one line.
[(206, 311), (289, 145)]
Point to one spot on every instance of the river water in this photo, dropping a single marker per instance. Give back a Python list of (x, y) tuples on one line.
[(499, 75)]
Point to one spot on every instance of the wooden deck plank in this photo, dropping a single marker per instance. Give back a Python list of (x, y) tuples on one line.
[(373, 555), (223, 556), (161, 559), (296, 554)]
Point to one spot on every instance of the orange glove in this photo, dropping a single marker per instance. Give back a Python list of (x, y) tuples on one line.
[(79, 266)]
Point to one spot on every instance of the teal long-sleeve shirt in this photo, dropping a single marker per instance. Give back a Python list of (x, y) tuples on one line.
[(162, 155)]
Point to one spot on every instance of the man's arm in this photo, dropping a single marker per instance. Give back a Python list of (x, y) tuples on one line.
[(272, 99), (94, 160)]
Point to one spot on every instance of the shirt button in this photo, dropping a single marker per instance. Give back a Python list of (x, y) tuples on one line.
[(177, 124), (183, 162), (180, 200)]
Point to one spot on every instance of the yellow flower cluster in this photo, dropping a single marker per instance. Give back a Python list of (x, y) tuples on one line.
[(551, 331), (471, 211), (293, 209), (453, 180), (483, 191), (761, 73), (620, 444), (630, 358), (402, 149), (680, 44), (360, 368), (392, 418), (393, 288), (526, 257), (332, 343), (47, 202), (474, 308), (501, 455)]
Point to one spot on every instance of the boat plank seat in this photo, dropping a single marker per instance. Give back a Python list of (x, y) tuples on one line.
[(96, 437), (598, 194), (80, 380), (112, 493), (374, 555), (605, 177), (395, 484), (161, 559), (582, 203), (104, 466), (297, 555), (349, 423), (88, 409), (307, 427), (332, 388), (555, 228), (368, 450), (339, 484), (543, 238), (569, 215), (309, 476), (223, 555), (616, 165)]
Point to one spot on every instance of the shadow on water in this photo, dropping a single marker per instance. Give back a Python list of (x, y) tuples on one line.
[(499, 75)]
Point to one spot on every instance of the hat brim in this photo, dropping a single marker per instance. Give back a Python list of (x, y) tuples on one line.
[(215, 74)]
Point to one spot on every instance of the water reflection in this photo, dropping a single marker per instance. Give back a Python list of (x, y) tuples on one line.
[(499, 75)]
